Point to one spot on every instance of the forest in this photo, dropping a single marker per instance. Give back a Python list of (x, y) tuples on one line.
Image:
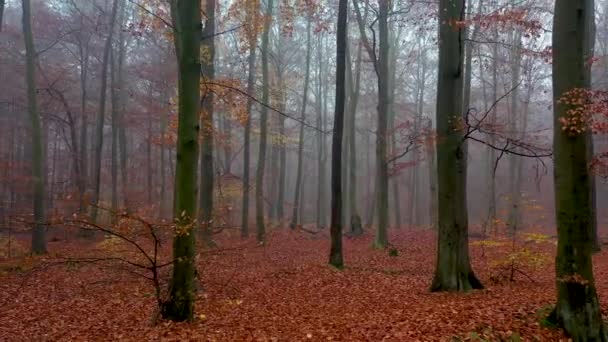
[(304, 170)]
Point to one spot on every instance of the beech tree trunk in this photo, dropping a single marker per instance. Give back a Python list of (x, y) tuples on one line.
[(577, 309), (335, 253), (83, 49), (296, 200), (321, 98), (356, 226), (101, 113), (381, 240), (1, 13), (515, 162), (247, 140), (38, 168), (453, 271), (259, 177), (206, 158), (116, 84), (186, 19)]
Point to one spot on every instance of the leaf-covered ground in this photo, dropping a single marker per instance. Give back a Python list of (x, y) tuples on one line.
[(284, 291)]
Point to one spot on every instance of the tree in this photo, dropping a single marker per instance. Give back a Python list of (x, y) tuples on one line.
[(207, 74), (247, 139), (101, 112), (1, 13), (356, 227), (453, 270), (381, 68), (38, 173), (117, 83), (259, 177), (296, 201), (577, 309), (335, 253), (186, 19), (381, 131)]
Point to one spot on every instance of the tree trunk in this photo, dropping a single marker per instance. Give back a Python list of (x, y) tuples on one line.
[(394, 54), (432, 164), (381, 240), (83, 49), (247, 142), (101, 114), (206, 162), (114, 156), (116, 86), (259, 177), (296, 201), (590, 50), (515, 162), (121, 101), (356, 226), (453, 270), (1, 13), (273, 162), (38, 174), (577, 309), (335, 254), (320, 137), (490, 221), (186, 19)]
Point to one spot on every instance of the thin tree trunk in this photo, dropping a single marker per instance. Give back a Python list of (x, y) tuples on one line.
[(38, 175), (101, 113), (116, 85), (83, 157), (207, 177), (247, 140), (1, 13), (186, 20), (335, 254), (356, 228), (259, 179), (393, 52), (381, 240), (121, 102), (432, 164), (114, 165), (282, 162), (296, 202), (491, 218), (320, 135), (514, 216)]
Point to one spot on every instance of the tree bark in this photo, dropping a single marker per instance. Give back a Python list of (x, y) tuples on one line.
[(320, 137), (356, 226), (335, 254), (453, 271), (101, 114), (259, 177), (1, 13), (577, 309), (296, 201), (247, 140), (38, 174), (83, 49), (116, 80), (515, 162), (186, 19), (381, 240), (206, 158)]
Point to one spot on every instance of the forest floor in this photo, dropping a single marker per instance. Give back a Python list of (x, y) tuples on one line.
[(285, 291)]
